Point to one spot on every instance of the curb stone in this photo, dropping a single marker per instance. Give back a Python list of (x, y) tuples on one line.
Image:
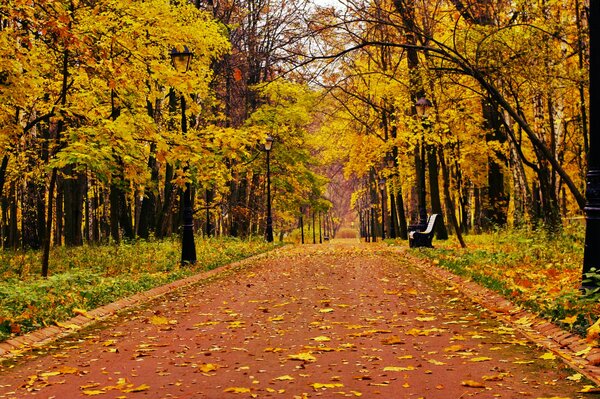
[(17, 346), (573, 349)]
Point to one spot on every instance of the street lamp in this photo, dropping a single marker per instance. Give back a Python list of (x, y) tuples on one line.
[(391, 163), (423, 105), (269, 230), (382, 191), (181, 62)]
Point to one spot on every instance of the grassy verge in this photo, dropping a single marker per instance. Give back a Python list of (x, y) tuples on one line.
[(91, 276), (539, 272)]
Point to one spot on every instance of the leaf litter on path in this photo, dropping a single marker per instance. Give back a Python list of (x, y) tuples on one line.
[(338, 320)]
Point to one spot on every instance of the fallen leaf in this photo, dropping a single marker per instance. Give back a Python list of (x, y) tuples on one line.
[(207, 367), (480, 359), (318, 386), (93, 392), (569, 320), (321, 339), (284, 378), (575, 377), (472, 384), (326, 310), (548, 356), (159, 320), (237, 390), (398, 368), (140, 388), (304, 356)]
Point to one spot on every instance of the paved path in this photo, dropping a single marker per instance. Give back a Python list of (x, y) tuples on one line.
[(331, 321)]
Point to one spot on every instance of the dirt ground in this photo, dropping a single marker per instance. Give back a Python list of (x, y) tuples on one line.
[(343, 319)]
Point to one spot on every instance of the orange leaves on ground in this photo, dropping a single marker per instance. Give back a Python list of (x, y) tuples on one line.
[(122, 385), (594, 331)]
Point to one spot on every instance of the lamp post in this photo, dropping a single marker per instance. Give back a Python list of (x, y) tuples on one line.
[(591, 253), (422, 106), (382, 192), (269, 229), (391, 163), (181, 62)]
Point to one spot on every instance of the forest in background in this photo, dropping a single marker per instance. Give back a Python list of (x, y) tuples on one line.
[(92, 136)]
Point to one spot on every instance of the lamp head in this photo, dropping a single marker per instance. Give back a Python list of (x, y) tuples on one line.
[(423, 105), (181, 59), (268, 143)]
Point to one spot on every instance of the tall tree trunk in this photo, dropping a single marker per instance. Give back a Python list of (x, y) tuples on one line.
[(73, 194), (434, 187)]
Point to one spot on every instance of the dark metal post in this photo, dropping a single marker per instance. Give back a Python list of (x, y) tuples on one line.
[(302, 223), (320, 230), (591, 254), (373, 232), (188, 247), (422, 188), (382, 192), (313, 227), (269, 231), (208, 226)]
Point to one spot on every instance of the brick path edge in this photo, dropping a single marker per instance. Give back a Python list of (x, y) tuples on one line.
[(19, 345), (579, 354)]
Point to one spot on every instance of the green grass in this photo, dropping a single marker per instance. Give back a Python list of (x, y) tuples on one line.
[(537, 271), (91, 276)]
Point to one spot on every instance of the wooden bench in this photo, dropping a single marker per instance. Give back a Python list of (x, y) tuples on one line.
[(423, 238)]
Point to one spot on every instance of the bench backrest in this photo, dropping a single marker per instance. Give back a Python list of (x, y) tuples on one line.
[(431, 223)]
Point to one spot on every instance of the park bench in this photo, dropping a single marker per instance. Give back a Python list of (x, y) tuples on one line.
[(423, 238)]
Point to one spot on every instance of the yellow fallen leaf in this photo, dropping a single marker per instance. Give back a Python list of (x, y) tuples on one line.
[(589, 388), (50, 374), (284, 378), (575, 377), (454, 348), (237, 390), (406, 385), (584, 352), (495, 377), (276, 318), (274, 350), (82, 312), (570, 320), (159, 320), (93, 392), (393, 340), (70, 326), (236, 324), (398, 368), (304, 356), (140, 388), (321, 339), (428, 318), (548, 356), (480, 359), (472, 384), (436, 362), (356, 393), (207, 367), (68, 370), (326, 310), (318, 386)]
